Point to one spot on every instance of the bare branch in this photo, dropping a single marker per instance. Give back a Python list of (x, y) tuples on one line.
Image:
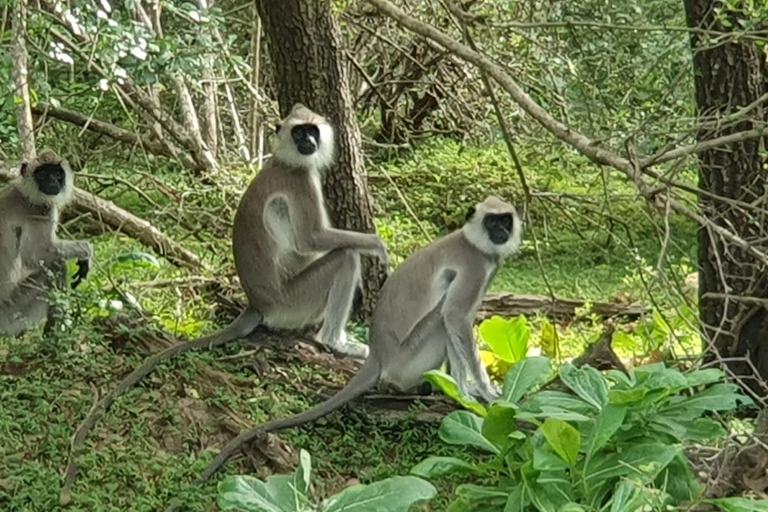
[(110, 130)]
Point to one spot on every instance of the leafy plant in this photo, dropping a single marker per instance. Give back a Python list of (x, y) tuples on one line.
[(613, 443), (508, 341), (290, 493)]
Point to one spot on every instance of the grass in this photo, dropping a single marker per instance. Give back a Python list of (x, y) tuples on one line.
[(155, 440)]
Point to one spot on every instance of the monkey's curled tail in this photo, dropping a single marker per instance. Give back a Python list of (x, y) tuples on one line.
[(366, 378)]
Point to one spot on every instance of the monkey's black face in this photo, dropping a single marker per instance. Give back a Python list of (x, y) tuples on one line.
[(306, 137), (50, 179), (498, 226)]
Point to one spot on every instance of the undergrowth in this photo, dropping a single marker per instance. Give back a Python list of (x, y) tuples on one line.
[(587, 236)]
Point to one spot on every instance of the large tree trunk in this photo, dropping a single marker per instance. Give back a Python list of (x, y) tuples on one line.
[(729, 77), (309, 67)]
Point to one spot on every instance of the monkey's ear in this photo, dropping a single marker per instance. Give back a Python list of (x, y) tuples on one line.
[(277, 127), (470, 213), (23, 168)]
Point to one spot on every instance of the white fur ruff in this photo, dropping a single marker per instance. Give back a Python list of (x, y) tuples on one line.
[(29, 190), (285, 151), (476, 235)]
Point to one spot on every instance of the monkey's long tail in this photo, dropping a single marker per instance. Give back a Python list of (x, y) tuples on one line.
[(245, 323), (365, 379)]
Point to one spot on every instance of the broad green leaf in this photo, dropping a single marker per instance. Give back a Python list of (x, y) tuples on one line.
[(586, 382), (740, 504), (703, 377), (397, 494), (552, 412), (499, 423), (679, 481), (555, 400), (517, 500), (302, 474), (473, 492), (525, 375), (698, 430), (438, 466), (626, 497), (242, 492), (563, 438), (507, 338), (464, 428), (607, 423), (447, 385), (626, 396), (667, 378), (644, 460), (720, 397), (545, 459), (571, 507), (622, 380)]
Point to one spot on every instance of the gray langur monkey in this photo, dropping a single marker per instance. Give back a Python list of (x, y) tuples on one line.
[(295, 268), (32, 258), (424, 316)]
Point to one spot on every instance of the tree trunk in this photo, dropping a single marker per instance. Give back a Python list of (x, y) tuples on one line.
[(309, 67), (729, 77)]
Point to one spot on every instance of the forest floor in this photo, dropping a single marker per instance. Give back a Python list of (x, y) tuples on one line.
[(155, 440)]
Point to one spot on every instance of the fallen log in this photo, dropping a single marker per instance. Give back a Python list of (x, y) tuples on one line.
[(509, 305)]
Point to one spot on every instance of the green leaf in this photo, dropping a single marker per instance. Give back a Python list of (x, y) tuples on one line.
[(563, 438), (703, 377), (464, 428), (679, 481), (499, 423), (621, 379), (450, 387), (472, 492), (548, 340), (740, 504), (555, 400), (545, 459), (666, 378), (302, 474), (508, 339), (526, 374), (439, 466), (626, 497), (608, 422), (720, 397), (644, 460), (626, 396), (242, 492), (395, 494), (517, 500), (698, 430), (586, 382)]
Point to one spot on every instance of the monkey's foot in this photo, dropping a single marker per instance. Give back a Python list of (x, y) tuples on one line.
[(343, 347)]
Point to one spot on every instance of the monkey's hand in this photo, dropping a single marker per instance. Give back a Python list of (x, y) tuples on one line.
[(83, 269)]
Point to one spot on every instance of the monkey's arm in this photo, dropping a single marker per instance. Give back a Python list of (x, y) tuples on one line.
[(9, 263), (74, 249), (459, 309), (312, 235)]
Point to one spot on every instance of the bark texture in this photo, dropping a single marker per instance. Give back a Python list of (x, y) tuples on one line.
[(727, 77), (309, 67)]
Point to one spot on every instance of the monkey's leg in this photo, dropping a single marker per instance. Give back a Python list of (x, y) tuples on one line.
[(464, 360), (27, 306), (324, 290), (56, 280)]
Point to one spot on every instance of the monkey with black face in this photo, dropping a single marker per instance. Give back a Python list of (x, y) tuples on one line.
[(295, 268), (424, 317), (32, 258)]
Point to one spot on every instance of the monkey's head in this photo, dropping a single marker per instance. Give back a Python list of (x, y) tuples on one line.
[(494, 227), (304, 139), (47, 180)]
